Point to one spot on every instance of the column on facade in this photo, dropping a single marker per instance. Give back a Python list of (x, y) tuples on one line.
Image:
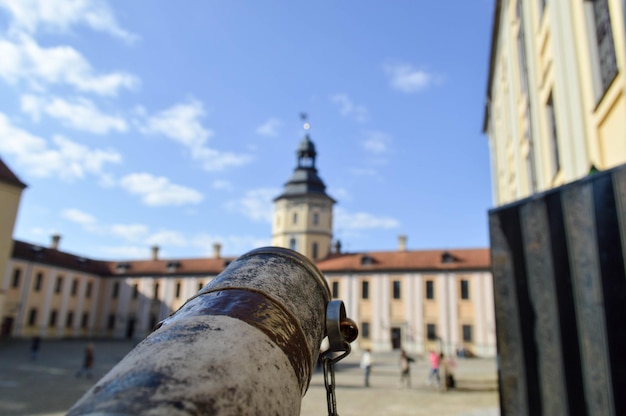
[(143, 307), (24, 292), (453, 313), (123, 305), (352, 300), (80, 304), (63, 311), (416, 317), (380, 326), (44, 320), (97, 287)]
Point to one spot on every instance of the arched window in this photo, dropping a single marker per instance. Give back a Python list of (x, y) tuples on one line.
[(292, 244), (295, 217), (316, 218)]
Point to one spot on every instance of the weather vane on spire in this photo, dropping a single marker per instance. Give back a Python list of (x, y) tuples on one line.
[(304, 117)]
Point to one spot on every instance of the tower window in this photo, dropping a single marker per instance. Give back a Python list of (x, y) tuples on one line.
[(316, 218), (295, 217), (292, 244), (315, 251)]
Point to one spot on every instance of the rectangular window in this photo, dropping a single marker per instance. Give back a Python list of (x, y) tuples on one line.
[(335, 289), (116, 290), (38, 281), (316, 218), (553, 136), (431, 331), (135, 291), (111, 322), (365, 289), (74, 287), (69, 321), (430, 289), (200, 286), (53, 318), (58, 285), (155, 295), (85, 320), (602, 45), (365, 330), (314, 251), (16, 277), (465, 289), (467, 333), (32, 317), (88, 292), (295, 217), (177, 290), (396, 289)]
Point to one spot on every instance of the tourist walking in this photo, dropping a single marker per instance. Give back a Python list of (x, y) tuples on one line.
[(88, 360), (405, 369), (366, 365), (433, 377)]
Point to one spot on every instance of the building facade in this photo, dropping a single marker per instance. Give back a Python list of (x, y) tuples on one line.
[(412, 299), (556, 93)]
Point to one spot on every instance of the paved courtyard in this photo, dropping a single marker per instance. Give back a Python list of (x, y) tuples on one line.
[(48, 386)]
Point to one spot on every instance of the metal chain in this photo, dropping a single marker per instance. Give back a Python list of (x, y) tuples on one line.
[(328, 363)]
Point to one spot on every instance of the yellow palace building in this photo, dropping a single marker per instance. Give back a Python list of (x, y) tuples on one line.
[(556, 93), (412, 299)]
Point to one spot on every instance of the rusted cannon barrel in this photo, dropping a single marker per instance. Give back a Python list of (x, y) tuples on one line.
[(246, 344)]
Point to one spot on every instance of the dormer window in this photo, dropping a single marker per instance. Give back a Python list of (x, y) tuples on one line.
[(172, 266), (122, 267), (367, 260), (447, 258)]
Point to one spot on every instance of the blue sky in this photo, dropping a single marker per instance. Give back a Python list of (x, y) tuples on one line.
[(137, 123)]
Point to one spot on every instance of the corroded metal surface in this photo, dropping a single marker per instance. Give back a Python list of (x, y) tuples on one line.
[(244, 345)]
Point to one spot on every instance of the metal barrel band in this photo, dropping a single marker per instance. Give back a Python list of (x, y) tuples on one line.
[(262, 312)]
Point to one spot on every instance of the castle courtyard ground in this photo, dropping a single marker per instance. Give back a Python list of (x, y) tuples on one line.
[(48, 386)]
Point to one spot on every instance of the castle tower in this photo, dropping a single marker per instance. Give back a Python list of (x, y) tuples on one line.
[(303, 213)]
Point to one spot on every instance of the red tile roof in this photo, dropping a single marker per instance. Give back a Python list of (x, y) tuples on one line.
[(7, 176), (422, 260), (375, 261)]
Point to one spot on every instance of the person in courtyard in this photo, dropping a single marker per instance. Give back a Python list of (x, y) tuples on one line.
[(366, 365), (433, 377), (88, 360), (34, 348), (447, 366), (405, 369)]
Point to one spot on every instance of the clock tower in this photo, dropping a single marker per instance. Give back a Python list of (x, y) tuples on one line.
[(303, 212)]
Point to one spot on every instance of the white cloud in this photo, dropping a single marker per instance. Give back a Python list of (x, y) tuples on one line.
[(377, 142), (222, 184), (78, 216), (129, 232), (348, 108), (67, 159), (167, 238), (26, 60), (158, 191), (181, 123), (405, 78), (363, 220), (28, 16), (270, 128), (80, 114), (256, 204)]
